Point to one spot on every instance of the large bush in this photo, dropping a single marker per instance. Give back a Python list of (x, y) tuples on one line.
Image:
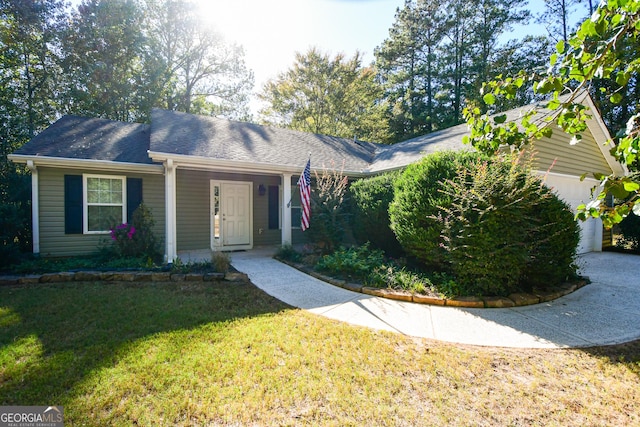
[(415, 208), (370, 199), (504, 230)]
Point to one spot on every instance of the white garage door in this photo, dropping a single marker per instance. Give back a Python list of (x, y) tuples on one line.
[(575, 192)]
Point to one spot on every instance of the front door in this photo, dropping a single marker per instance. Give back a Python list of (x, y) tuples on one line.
[(231, 222)]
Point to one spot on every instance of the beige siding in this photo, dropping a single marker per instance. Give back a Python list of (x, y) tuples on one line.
[(193, 201), (53, 240), (569, 159)]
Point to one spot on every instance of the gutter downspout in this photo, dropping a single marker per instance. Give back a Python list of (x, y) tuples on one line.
[(170, 211), (35, 206)]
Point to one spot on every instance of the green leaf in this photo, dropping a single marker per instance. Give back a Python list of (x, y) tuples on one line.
[(631, 186), (489, 99), (616, 98), (622, 78), (553, 104), (618, 191), (500, 119), (560, 47)]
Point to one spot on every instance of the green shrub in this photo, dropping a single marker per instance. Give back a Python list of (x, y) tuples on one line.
[(416, 205), (504, 230), (288, 253), (630, 230), (370, 199), (395, 277), (137, 238), (355, 263)]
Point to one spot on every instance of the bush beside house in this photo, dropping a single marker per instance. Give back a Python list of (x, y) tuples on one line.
[(370, 200), (490, 224), (503, 230), (418, 197)]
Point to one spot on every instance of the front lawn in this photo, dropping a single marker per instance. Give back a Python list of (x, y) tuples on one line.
[(207, 354)]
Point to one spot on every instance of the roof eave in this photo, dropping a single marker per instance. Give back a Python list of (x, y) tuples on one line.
[(108, 165), (207, 163)]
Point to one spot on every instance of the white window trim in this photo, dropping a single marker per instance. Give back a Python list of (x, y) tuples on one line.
[(296, 205), (85, 203)]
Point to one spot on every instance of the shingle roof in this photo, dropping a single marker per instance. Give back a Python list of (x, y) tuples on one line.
[(74, 137), (404, 153), (209, 137)]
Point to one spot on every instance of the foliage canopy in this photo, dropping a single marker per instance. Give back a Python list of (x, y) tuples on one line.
[(604, 47)]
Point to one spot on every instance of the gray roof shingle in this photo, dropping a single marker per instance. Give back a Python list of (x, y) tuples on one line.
[(402, 154), (213, 138), (206, 137), (74, 137)]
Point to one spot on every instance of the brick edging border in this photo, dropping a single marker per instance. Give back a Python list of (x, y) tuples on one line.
[(122, 276), (513, 300)]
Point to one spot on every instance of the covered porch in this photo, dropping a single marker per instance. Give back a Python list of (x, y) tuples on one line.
[(217, 209)]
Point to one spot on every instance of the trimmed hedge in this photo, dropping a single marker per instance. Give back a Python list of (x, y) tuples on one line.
[(505, 231), (415, 210), (370, 199), (491, 223)]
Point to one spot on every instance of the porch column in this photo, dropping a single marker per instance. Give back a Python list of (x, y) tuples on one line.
[(170, 211), (286, 209), (35, 207)]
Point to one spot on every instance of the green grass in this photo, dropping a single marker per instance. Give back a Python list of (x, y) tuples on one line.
[(205, 354)]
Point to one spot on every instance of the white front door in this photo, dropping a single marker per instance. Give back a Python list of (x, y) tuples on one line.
[(231, 214)]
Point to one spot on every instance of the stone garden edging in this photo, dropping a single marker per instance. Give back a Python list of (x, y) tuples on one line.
[(513, 300), (122, 276)]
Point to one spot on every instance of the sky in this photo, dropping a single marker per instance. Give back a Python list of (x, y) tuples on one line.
[(272, 31)]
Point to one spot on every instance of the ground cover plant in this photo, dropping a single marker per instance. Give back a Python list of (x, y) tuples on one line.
[(210, 354), (220, 262)]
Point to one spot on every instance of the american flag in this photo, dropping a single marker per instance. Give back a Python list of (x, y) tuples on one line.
[(305, 195)]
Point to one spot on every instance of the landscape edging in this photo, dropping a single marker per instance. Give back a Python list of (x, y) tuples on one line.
[(122, 276), (513, 300)]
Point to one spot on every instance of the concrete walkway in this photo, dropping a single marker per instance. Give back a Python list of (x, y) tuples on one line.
[(607, 311)]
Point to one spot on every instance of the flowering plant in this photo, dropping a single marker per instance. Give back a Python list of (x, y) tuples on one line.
[(123, 231), (136, 238)]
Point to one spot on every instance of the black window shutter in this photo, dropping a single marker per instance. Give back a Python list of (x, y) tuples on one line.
[(134, 196), (274, 207), (73, 204)]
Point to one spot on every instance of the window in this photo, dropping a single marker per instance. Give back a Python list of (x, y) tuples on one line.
[(104, 202)]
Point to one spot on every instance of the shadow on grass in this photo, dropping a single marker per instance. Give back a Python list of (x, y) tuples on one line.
[(627, 354), (53, 336)]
